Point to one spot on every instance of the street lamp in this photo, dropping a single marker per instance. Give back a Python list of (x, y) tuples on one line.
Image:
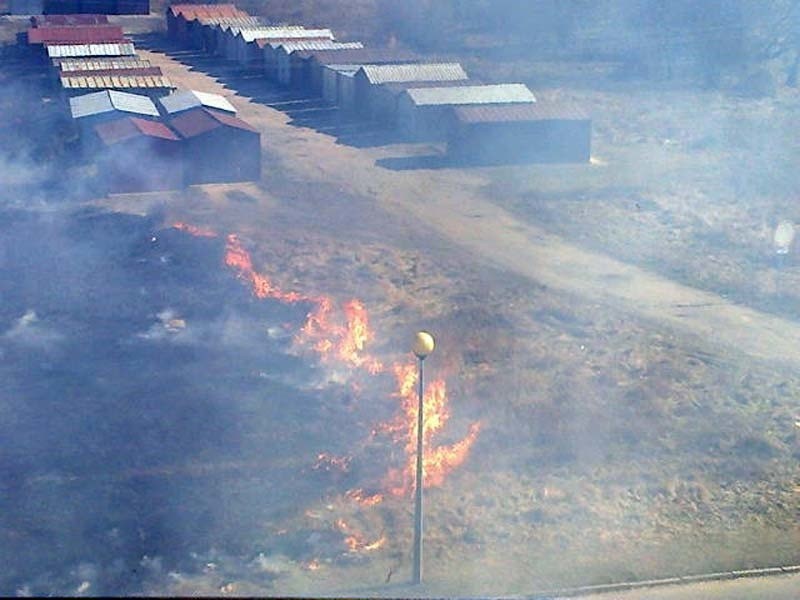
[(423, 346)]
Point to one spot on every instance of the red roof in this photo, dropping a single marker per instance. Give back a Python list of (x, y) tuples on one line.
[(75, 35), (131, 127), (134, 71), (200, 120), (43, 20), (542, 110), (190, 12), (60, 43)]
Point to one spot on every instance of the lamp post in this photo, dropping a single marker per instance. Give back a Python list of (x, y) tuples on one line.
[(423, 346)]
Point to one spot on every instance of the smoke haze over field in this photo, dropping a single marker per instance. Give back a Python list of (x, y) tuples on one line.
[(209, 391)]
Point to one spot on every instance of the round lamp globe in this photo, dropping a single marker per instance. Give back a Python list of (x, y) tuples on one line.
[(423, 344)]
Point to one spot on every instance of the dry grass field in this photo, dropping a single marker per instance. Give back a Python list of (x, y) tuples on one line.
[(619, 439)]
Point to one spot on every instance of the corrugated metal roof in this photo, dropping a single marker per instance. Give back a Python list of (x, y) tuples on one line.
[(289, 47), (84, 50), (242, 21), (506, 113), (362, 56), (120, 130), (102, 64), (75, 35), (234, 30), (188, 99), (143, 71), (377, 74), (471, 94), (400, 87), (264, 33), (200, 120), (98, 103), (235, 25), (191, 12), (44, 20), (115, 82)]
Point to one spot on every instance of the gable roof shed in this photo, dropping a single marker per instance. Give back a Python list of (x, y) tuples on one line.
[(57, 51), (189, 99), (503, 93), (97, 103), (397, 73)]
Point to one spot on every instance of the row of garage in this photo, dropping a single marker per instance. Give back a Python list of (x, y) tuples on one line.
[(423, 99), (141, 133)]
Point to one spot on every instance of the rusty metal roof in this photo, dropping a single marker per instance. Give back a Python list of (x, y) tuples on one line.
[(86, 50), (361, 56), (102, 64), (75, 35), (115, 82), (512, 113), (392, 73), (44, 20), (190, 12), (189, 99), (97, 103), (127, 128), (200, 120), (504, 93)]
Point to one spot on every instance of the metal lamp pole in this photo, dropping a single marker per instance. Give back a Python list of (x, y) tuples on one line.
[(423, 346)]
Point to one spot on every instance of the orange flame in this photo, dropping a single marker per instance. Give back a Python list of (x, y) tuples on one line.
[(359, 496), (194, 230), (237, 258), (321, 332), (334, 338), (312, 565), (437, 461), (355, 541)]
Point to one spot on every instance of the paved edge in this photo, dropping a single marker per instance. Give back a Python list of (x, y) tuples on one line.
[(634, 585)]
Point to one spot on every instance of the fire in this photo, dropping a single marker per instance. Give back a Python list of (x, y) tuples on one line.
[(437, 461), (238, 259), (342, 335), (194, 230), (355, 541), (360, 497), (334, 341), (321, 332), (312, 565)]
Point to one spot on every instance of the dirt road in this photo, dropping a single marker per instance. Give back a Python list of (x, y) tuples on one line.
[(453, 203)]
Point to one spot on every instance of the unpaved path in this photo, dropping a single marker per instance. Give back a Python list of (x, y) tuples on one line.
[(453, 202)]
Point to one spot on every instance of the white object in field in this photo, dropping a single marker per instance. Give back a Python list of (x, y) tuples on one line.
[(784, 237)]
